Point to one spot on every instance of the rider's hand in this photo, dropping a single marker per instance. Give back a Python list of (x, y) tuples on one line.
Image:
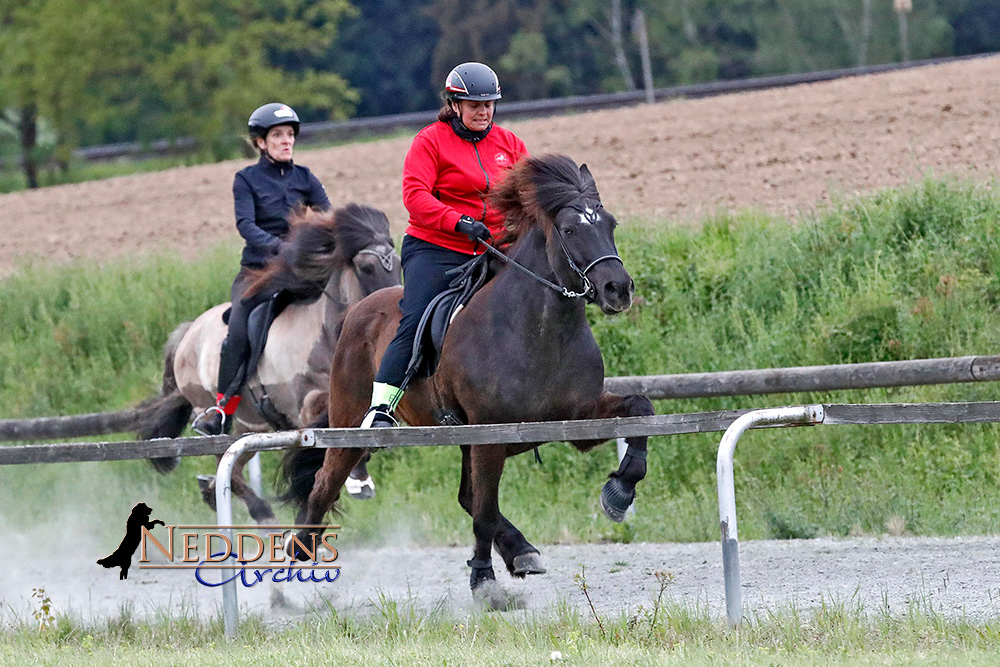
[(474, 229)]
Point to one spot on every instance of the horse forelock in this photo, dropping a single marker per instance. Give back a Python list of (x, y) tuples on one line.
[(358, 226), (535, 189), (319, 243)]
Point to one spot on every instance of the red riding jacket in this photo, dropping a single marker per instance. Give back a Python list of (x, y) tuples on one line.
[(446, 177)]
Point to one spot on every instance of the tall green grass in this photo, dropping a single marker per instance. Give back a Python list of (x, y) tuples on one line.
[(902, 274), (836, 633)]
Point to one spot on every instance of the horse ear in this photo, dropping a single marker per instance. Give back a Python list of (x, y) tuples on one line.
[(588, 179)]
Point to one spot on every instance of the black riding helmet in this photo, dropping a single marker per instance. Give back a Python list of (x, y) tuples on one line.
[(272, 115), (472, 81)]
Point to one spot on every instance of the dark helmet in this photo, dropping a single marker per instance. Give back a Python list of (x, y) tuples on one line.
[(272, 115), (472, 81)]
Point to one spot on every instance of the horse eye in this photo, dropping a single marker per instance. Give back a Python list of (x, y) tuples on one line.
[(569, 231), (367, 268)]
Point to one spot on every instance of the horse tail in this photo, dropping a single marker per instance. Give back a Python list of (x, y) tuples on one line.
[(168, 413), (297, 472)]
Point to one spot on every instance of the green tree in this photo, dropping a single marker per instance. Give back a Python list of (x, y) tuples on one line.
[(58, 62), (213, 61)]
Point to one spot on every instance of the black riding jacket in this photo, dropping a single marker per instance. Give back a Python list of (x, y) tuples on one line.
[(264, 194)]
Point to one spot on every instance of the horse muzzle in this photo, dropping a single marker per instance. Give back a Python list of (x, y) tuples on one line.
[(614, 296)]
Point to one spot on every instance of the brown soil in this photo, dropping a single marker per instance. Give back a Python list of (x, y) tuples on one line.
[(780, 150)]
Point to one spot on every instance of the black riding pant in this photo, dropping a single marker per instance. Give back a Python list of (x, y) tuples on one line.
[(236, 347), (425, 267)]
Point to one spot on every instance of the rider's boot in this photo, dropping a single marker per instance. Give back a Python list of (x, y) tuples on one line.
[(385, 398), (217, 419)]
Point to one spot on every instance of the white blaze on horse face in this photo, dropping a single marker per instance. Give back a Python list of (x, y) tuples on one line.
[(589, 216)]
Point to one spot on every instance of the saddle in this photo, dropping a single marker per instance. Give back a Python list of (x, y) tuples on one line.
[(440, 313)]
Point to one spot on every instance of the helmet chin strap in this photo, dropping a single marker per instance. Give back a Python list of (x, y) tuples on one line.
[(263, 151)]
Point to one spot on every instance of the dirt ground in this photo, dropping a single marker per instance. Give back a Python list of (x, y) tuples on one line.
[(955, 577), (780, 150)]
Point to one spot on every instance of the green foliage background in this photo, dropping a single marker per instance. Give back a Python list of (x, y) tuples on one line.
[(897, 275)]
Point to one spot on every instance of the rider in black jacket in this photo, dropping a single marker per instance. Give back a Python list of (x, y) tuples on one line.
[(264, 194)]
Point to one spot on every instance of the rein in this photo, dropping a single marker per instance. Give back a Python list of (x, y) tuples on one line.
[(588, 287)]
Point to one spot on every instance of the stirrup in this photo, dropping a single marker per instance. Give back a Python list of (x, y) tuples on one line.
[(378, 416), (197, 424)]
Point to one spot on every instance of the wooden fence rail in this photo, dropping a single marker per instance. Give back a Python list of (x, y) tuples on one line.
[(675, 424), (656, 387)]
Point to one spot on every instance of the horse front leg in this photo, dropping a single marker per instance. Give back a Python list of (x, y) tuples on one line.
[(520, 557), (486, 467), (337, 465), (619, 491)]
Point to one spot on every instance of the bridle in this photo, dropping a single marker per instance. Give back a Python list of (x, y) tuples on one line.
[(385, 258), (591, 215)]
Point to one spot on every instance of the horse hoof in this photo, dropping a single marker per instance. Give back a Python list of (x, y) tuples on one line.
[(615, 500), (529, 563), (493, 597), (360, 489)]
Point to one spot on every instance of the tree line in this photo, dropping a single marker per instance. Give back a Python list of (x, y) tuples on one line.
[(86, 72)]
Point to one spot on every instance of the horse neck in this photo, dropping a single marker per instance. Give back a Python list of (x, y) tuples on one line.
[(532, 305), (342, 290)]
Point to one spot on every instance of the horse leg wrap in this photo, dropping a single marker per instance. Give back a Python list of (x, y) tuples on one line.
[(482, 570), (619, 491)]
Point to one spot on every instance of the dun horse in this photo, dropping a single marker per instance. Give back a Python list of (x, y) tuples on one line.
[(334, 260), (521, 350)]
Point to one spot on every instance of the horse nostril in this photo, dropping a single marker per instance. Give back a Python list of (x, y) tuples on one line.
[(618, 290)]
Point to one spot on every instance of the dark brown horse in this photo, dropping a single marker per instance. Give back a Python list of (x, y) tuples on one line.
[(521, 350)]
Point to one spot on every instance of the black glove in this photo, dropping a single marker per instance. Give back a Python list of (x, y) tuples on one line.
[(474, 229)]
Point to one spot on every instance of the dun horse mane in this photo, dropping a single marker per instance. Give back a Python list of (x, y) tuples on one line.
[(319, 241), (536, 188)]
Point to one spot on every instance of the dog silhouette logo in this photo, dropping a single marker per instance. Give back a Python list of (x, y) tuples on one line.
[(122, 556)]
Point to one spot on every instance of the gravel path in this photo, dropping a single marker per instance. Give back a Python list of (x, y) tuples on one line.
[(957, 576)]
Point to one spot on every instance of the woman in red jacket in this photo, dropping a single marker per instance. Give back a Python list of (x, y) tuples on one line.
[(451, 165)]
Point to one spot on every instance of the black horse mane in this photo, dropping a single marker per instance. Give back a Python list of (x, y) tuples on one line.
[(538, 187), (317, 244)]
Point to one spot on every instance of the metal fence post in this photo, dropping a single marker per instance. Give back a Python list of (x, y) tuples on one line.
[(224, 508), (253, 472), (804, 414)]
